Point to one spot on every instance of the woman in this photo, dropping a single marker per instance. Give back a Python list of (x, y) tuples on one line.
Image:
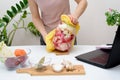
[(46, 14)]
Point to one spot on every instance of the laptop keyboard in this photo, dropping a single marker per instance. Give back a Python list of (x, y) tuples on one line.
[(97, 57), (101, 59)]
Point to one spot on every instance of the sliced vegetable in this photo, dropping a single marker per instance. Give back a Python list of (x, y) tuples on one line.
[(5, 51)]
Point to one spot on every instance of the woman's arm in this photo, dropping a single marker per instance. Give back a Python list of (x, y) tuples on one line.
[(82, 4), (36, 18)]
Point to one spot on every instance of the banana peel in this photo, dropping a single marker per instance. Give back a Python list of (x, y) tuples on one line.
[(49, 38)]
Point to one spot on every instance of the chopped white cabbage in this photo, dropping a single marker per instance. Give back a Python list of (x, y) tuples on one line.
[(5, 52), (68, 27)]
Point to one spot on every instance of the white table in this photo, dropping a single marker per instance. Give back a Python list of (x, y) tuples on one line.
[(92, 72)]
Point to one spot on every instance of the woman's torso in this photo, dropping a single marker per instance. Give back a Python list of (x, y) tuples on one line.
[(51, 11)]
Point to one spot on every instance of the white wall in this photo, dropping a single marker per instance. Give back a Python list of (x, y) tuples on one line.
[(94, 29)]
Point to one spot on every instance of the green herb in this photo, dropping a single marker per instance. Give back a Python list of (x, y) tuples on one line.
[(40, 66), (42, 60)]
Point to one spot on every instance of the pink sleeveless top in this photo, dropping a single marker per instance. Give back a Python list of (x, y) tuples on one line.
[(51, 11)]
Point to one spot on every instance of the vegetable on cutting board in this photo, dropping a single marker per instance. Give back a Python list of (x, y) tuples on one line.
[(19, 52)]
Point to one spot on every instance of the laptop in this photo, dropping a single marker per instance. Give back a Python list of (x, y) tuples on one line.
[(104, 57)]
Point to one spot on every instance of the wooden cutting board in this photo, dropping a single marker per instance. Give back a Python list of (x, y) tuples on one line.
[(61, 52), (78, 70)]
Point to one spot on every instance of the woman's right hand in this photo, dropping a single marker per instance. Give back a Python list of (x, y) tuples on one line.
[(73, 19)]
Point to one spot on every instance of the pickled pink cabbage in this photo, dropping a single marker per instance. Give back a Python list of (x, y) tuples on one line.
[(64, 37)]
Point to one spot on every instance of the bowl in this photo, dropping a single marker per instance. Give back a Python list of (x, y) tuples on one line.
[(57, 67), (14, 62)]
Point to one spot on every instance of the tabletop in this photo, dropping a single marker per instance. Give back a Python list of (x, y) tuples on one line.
[(37, 52)]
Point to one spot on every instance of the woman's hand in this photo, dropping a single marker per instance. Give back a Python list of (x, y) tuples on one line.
[(73, 19)]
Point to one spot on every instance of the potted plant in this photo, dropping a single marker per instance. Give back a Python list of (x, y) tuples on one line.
[(21, 9), (112, 17)]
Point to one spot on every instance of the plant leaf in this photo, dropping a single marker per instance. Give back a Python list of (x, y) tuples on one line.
[(18, 7), (14, 9), (42, 60), (10, 13), (6, 19), (4, 36), (24, 14), (2, 24), (25, 2), (33, 29), (22, 4)]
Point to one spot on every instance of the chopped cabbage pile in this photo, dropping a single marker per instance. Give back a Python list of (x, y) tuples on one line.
[(64, 37), (5, 52)]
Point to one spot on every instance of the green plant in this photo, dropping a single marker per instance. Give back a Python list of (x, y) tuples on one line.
[(112, 17), (19, 8)]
